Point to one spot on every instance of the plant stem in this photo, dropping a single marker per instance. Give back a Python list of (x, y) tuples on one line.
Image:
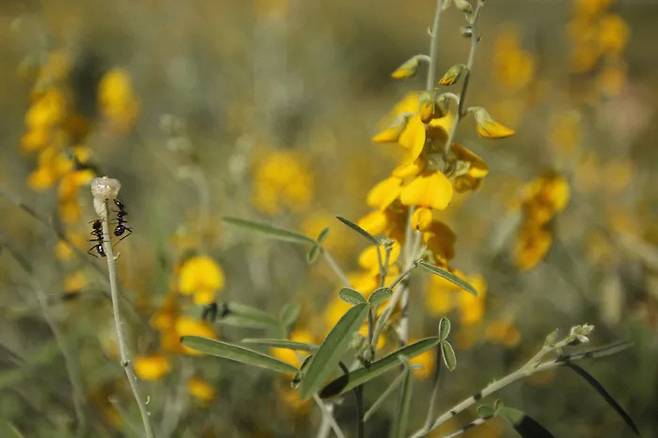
[(434, 47), (435, 389), (327, 417), (475, 39), (335, 268), (123, 348), (532, 366)]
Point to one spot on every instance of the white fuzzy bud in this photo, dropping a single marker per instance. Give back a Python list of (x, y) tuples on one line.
[(102, 189)]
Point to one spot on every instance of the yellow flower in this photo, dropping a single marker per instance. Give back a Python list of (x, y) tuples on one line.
[(384, 193), (201, 276), (282, 180), (426, 361), (47, 110), (444, 296), (290, 356), (407, 69), (503, 332), (187, 326), (430, 189), (613, 34), (472, 169), (117, 99), (200, 389), (544, 197), (487, 127), (368, 258), (151, 367), (440, 240), (75, 282), (532, 244), (421, 219)]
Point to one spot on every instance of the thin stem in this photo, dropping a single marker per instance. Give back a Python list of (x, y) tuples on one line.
[(532, 366), (475, 39), (334, 267), (116, 310), (70, 364), (435, 390), (328, 416), (434, 47)]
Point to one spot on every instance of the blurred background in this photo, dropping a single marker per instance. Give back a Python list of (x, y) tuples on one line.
[(264, 109)]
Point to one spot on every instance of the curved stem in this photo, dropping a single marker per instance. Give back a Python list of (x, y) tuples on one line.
[(116, 311), (434, 47)]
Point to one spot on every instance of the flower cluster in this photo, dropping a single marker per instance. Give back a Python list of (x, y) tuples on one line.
[(542, 199)]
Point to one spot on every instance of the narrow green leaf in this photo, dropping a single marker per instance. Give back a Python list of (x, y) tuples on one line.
[(525, 425), (382, 398), (605, 394), (8, 430), (362, 375), (237, 353), (323, 235), (379, 295), (351, 296), (448, 355), (326, 359), (448, 276), (280, 343), (289, 315), (270, 231), (444, 328), (402, 418), (241, 315), (313, 254), (359, 230)]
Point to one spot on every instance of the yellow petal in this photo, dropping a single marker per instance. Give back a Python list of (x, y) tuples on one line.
[(413, 136), (151, 367), (374, 223), (200, 273), (487, 127), (384, 193), (421, 218), (200, 389), (409, 169), (407, 69), (432, 190)]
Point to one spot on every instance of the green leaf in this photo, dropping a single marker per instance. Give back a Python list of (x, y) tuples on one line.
[(280, 343), (313, 253), (379, 295), (289, 314), (8, 430), (402, 418), (486, 411), (351, 296), (382, 398), (323, 235), (326, 359), (270, 230), (605, 394), (237, 353), (362, 375), (448, 355), (359, 230), (448, 276), (525, 425), (241, 315), (444, 328)]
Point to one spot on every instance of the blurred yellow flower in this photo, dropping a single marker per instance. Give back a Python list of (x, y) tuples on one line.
[(200, 389), (151, 367), (425, 361), (532, 244), (117, 99), (188, 326), (75, 282), (503, 332), (202, 277), (290, 356), (282, 180)]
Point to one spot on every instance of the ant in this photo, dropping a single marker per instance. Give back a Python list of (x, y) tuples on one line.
[(97, 232), (121, 226)]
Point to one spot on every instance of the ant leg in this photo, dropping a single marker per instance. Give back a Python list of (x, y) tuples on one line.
[(129, 231)]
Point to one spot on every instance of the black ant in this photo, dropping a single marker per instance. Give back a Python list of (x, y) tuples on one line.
[(121, 226), (97, 232)]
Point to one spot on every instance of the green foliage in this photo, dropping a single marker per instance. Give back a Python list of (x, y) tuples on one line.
[(326, 359), (237, 353)]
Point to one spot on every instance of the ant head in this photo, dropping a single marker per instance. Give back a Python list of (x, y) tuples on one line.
[(97, 224), (118, 203)]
